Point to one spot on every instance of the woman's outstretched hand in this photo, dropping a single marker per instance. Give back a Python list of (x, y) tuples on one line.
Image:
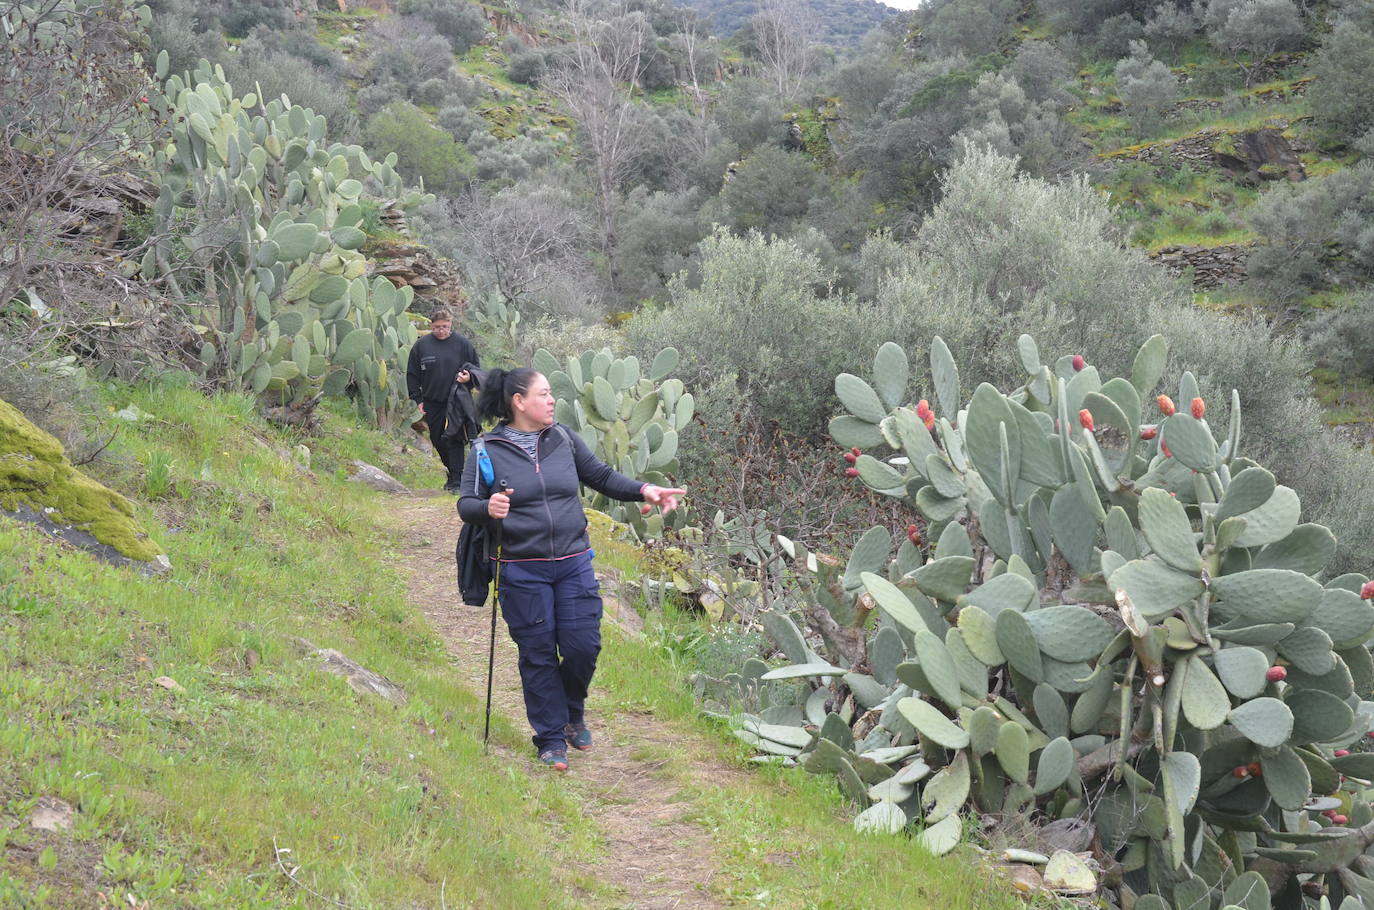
[(663, 497), (499, 504)]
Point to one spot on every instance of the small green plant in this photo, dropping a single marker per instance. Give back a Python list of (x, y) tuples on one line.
[(157, 473)]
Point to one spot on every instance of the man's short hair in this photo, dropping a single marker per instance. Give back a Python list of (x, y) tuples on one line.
[(440, 314)]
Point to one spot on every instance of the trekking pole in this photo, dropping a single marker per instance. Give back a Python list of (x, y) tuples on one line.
[(491, 648)]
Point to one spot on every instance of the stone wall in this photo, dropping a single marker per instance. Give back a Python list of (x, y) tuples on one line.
[(1211, 266)]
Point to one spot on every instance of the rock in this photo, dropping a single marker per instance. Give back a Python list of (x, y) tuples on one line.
[(1024, 879), (430, 277), (1067, 873), (375, 477), (51, 814), (1211, 266), (1072, 834), (623, 615), (38, 485), (170, 684), (359, 678)]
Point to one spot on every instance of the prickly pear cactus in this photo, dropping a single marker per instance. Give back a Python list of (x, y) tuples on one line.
[(275, 214), (630, 417), (1112, 616)]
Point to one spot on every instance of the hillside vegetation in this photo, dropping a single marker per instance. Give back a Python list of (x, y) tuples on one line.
[(865, 299)]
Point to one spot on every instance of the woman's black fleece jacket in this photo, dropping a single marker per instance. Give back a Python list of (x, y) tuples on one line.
[(546, 520)]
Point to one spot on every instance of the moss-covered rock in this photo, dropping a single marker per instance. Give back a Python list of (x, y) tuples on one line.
[(35, 473)]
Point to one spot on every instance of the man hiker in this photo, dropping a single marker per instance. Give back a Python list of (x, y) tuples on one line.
[(437, 361)]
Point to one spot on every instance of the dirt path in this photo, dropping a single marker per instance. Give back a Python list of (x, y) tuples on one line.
[(654, 854)]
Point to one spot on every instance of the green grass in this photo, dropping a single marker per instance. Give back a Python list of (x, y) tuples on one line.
[(182, 795), (185, 795)]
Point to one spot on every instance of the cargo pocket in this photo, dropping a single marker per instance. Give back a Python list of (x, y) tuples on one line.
[(526, 602)]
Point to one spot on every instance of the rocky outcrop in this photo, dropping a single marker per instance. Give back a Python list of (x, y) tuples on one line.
[(1210, 266), (39, 486), (434, 280), (1262, 154), (1253, 155)]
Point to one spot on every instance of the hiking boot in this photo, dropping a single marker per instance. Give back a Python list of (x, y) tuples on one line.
[(556, 759), (578, 736)]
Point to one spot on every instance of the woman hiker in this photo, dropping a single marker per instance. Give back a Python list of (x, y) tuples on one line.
[(549, 595)]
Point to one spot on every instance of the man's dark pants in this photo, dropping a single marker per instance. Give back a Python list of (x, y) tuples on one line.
[(450, 450), (553, 610)]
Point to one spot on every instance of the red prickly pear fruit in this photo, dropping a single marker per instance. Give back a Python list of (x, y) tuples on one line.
[(1164, 447), (1079, 363), (1276, 674), (1166, 405), (1329, 813), (850, 457), (1255, 769), (1341, 753), (1370, 734), (851, 472), (144, 99), (856, 451), (1085, 417), (1367, 592), (1199, 408), (1339, 819), (645, 509), (1240, 772), (930, 421), (922, 408), (1149, 433)]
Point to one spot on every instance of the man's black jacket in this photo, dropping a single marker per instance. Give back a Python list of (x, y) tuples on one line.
[(546, 520), (433, 365), (460, 420)]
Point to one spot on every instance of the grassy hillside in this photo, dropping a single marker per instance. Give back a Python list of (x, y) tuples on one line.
[(258, 781)]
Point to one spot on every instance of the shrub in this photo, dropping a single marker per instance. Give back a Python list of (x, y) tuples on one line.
[(1115, 35), (1145, 85), (406, 51), (770, 190), (1297, 221), (1043, 72), (526, 67), (421, 148), (762, 332), (659, 232), (462, 23), (1257, 27), (1082, 16), (1345, 337), (970, 28), (1172, 25), (1339, 98), (238, 19)]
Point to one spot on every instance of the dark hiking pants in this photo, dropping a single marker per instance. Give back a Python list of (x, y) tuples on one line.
[(450, 451), (553, 610)]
